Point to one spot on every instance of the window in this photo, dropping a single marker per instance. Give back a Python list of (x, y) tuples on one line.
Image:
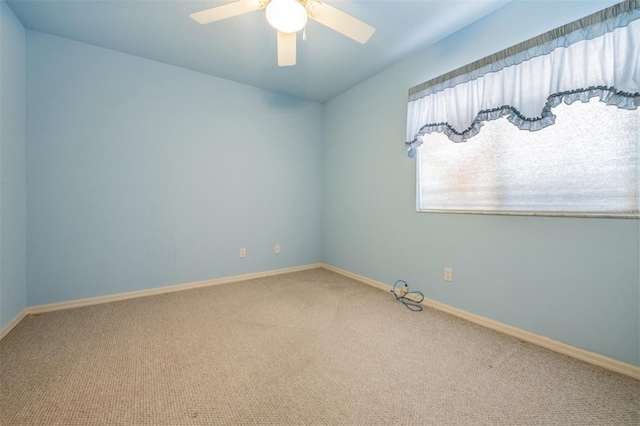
[(587, 163), (550, 126)]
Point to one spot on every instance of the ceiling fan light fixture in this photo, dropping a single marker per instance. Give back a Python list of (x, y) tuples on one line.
[(287, 16)]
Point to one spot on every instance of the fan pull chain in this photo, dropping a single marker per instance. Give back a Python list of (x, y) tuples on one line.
[(304, 33)]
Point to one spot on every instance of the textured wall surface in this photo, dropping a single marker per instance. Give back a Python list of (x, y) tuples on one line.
[(142, 174), (570, 279), (13, 281)]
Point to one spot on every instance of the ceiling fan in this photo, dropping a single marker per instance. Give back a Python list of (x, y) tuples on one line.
[(288, 17)]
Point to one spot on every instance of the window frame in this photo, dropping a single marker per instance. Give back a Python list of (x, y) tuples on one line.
[(533, 212)]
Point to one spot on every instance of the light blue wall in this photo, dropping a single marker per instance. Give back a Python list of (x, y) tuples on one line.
[(571, 279), (13, 281), (142, 175)]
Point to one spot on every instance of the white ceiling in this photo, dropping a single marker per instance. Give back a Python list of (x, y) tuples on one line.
[(243, 48)]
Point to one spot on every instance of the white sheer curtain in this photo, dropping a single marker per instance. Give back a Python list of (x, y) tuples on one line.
[(594, 57), (585, 164)]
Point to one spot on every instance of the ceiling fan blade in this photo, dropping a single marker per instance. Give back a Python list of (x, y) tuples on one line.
[(341, 22), (286, 49), (226, 11)]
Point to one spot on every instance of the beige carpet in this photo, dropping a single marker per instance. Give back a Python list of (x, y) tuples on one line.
[(310, 347)]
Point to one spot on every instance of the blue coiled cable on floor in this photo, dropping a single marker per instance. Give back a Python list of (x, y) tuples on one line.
[(412, 303)]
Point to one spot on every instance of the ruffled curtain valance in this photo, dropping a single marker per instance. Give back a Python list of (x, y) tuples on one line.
[(597, 56)]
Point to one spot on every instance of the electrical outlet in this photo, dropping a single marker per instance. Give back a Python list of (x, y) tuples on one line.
[(277, 249), (243, 252), (448, 274)]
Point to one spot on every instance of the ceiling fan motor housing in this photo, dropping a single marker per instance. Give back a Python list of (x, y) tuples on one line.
[(287, 16)]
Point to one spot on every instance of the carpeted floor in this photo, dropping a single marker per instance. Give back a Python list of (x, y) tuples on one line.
[(310, 347)]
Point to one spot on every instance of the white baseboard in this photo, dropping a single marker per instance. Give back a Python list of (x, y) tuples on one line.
[(7, 328), (39, 309), (554, 345), (593, 358)]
